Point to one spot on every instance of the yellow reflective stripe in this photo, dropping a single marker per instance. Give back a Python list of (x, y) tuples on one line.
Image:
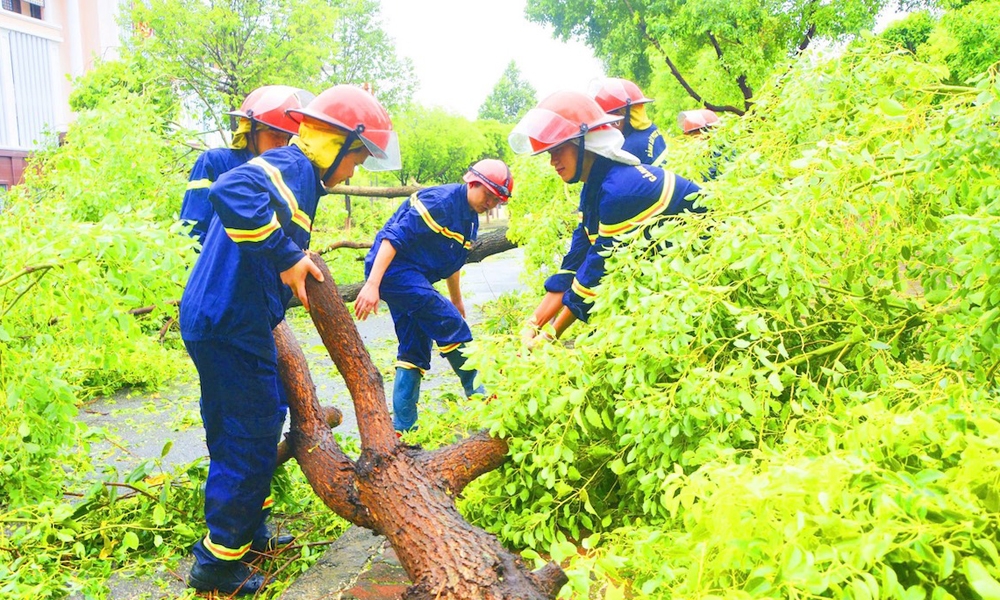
[(254, 235), (432, 224), (565, 272), (199, 184), (582, 291), (223, 553), (646, 215), (268, 502), (448, 348), (298, 216), (662, 158), (402, 364), (592, 237), (467, 245)]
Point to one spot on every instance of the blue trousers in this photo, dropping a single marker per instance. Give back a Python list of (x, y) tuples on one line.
[(421, 316), (243, 409)]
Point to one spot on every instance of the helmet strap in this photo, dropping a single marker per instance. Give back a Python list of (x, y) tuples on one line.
[(627, 125), (340, 155), (579, 157)]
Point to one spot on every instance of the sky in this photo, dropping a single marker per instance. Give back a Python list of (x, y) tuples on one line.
[(460, 48)]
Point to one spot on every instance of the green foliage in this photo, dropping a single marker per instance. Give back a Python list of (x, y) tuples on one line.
[(714, 44), (967, 41), (437, 146), (220, 51), (366, 54), (116, 158), (542, 215), (86, 238), (510, 99), (797, 399), (132, 74), (911, 31)]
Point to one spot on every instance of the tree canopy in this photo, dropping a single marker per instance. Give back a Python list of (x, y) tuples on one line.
[(717, 52), (218, 51), (511, 97)]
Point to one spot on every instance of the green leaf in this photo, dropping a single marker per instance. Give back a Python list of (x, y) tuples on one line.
[(130, 541), (980, 579), (891, 107)]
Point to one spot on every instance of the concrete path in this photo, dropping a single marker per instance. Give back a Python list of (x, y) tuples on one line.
[(139, 426)]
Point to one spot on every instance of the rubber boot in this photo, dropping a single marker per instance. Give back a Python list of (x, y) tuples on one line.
[(228, 577), (405, 393), (468, 377)]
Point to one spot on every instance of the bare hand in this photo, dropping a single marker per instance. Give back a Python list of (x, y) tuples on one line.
[(460, 306), (541, 339), (367, 301), (295, 278)]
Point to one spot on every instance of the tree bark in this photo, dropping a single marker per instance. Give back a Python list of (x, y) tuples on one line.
[(399, 491)]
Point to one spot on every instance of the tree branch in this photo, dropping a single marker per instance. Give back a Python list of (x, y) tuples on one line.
[(458, 465), (673, 68), (741, 81)]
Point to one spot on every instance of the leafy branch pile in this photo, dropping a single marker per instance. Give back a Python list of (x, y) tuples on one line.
[(798, 399)]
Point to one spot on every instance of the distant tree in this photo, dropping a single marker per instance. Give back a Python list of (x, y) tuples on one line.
[(967, 40), (366, 54), (511, 97), (437, 146), (218, 51), (911, 31)]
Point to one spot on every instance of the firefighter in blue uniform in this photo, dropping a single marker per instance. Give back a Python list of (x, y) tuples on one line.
[(622, 98), (619, 196), (426, 240), (697, 123), (263, 124), (236, 295)]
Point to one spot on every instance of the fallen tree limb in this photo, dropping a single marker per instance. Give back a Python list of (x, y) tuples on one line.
[(401, 492)]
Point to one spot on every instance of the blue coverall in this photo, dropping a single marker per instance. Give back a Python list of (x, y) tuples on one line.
[(233, 300), (647, 145), (196, 210), (432, 233), (616, 199)]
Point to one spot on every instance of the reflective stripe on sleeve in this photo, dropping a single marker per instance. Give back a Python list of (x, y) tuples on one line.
[(645, 216), (298, 216), (199, 184), (254, 235), (433, 225)]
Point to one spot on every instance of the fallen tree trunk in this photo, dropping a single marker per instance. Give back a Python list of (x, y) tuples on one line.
[(399, 491)]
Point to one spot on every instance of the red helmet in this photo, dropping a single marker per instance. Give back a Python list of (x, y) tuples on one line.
[(357, 112), (268, 104), (559, 118), (495, 175), (615, 94), (692, 121)]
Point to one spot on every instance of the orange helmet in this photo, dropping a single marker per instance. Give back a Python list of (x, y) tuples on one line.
[(495, 175), (615, 94), (693, 121), (561, 117), (267, 105), (357, 112)]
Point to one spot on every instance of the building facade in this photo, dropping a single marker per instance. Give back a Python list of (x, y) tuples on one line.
[(43, 45)]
